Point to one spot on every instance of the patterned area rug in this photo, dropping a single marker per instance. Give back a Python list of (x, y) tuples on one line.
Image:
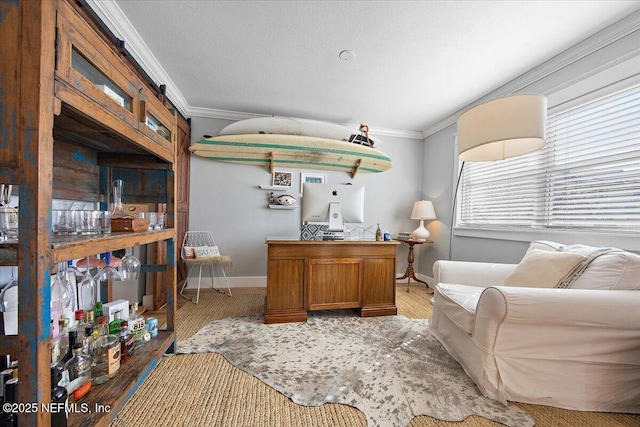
[(391, 367)]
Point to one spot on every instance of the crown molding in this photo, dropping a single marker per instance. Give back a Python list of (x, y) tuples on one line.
[(119, 24), (115, 19), (603, 38)]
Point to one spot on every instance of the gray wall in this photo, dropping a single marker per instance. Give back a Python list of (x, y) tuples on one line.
[(226, 199), (603, 65)]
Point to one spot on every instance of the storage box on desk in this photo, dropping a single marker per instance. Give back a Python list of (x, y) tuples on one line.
[(313, 231), (129, 224)]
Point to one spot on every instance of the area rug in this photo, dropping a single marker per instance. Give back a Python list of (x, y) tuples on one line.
[(391, 367)]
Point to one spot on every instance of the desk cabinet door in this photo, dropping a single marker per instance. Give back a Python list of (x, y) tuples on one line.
[(379, 281), (285, 281), (333, 283)]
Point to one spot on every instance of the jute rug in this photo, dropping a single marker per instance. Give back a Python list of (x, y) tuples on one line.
[(205, 390), (390, 367)]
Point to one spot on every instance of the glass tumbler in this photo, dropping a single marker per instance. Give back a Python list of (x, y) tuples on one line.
[(105, 222), (159, 224), (9, 222), (64, 222), (89, 222)]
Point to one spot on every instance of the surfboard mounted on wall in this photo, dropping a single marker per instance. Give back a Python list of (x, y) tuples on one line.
[(301, 127), (282, 141)]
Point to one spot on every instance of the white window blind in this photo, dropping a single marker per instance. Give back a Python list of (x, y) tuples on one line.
[(586, 177)]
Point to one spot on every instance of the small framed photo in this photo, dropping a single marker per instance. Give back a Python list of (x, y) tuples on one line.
[(312, 178), (282, 179)]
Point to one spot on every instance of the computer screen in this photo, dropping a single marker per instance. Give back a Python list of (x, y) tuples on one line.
[(345, 201)]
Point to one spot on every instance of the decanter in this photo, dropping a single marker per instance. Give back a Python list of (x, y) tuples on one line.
[(118, 210)]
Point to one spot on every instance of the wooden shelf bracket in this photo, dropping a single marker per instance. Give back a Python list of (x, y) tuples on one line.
[(356, 168), (272, 164)]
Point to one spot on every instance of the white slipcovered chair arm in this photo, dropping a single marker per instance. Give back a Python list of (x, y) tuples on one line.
[(471, 273), (558, 322)]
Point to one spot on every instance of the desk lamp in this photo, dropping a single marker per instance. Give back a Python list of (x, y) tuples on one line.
[(422, 210)]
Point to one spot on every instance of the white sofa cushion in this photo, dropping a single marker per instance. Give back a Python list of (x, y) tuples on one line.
[(458, 303), (543, 269), (614, 269)]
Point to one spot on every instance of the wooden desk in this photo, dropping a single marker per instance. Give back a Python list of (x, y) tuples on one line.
[(410, 274), (312, 275)]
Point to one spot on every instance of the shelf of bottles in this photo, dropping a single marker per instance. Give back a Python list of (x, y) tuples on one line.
[(101, 347), (89, 347)]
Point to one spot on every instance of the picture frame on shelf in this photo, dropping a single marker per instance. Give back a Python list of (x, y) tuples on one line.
[(282, 179), (312, 178)]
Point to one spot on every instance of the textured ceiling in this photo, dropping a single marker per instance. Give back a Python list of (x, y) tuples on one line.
[(415, 62)]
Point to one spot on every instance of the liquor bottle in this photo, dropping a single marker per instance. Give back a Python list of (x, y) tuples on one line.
[(87, 341), (98, 310), (60, 345), (103, 328), (5, 362), (378, 234), (90, 318), (83, 322), (79, 368), (79, 316), (137, 326), (88, 322), (10, 395), (114, 325), (59, 399), (72, 339), (126, 342), (5, 376), (105, 354)]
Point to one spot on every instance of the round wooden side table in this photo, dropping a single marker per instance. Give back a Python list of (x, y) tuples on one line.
[(410, 274)]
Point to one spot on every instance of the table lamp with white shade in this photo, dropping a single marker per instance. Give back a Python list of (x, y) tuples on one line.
[(422, 210)]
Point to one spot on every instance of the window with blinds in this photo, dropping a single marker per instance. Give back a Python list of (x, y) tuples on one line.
[(586, 177)]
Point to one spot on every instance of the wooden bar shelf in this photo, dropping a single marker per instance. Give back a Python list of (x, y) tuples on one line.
[(72, 123), (106, 400), (73, 247)]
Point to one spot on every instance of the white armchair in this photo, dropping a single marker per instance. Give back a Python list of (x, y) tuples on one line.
[(571, 348)]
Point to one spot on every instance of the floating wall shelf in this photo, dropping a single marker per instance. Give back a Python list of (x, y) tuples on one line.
[(283, 207), (276, 187)]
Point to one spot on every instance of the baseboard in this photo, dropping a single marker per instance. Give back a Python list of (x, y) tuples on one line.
[(261, 281), (234, 282), (423, 277)]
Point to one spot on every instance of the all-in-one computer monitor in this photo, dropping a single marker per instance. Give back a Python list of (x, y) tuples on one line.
[(333, 203)]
